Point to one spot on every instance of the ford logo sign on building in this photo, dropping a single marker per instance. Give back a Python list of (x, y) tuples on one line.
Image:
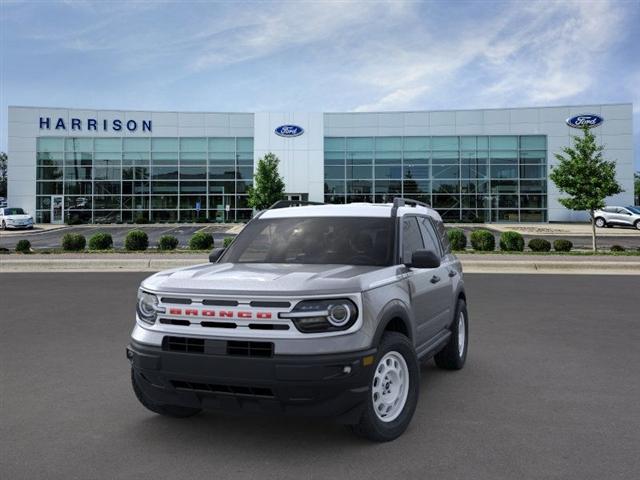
[(289, 131), (587, 120)]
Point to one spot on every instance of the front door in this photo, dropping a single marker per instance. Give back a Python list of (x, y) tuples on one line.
[(429, 288), (57, 209)]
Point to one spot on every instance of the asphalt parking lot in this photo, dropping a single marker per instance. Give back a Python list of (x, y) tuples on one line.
[(53, 238), (550, 390)]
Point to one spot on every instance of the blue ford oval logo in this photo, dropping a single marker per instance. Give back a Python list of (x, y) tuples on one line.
[(587, 120), (289, 131)]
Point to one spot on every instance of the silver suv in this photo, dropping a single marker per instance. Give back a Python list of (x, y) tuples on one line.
[(312, 310), (622, 216)]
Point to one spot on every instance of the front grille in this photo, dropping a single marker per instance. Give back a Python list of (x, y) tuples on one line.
[(183, 344), (250, 349), (225, 389)]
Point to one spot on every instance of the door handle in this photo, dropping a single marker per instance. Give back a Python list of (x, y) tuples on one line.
[(452, 273), (435, 279)]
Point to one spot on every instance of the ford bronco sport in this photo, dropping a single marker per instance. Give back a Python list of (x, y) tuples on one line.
[(312, 310)]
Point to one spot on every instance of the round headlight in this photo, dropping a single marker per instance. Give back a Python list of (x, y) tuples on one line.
[(339, 314), (147, 307)]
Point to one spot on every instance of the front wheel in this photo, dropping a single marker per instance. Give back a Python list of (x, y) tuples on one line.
[(4, 225), (637, 224), (600, 223), (454, 354), (393, 392), (166, 410)]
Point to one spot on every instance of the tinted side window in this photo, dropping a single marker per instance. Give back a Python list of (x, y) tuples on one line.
[(411, 238), (429, 236), (442, 234)]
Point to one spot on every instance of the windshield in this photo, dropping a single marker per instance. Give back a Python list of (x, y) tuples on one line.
[(318, 240), (634, 210), (13, 211)]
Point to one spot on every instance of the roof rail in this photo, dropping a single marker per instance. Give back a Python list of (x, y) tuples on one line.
[(292, 203), (401, 202)]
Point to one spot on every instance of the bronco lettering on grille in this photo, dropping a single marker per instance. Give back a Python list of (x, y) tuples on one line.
[(193, 312)]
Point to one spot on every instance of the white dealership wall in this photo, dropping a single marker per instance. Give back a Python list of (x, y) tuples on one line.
[(302, 157)]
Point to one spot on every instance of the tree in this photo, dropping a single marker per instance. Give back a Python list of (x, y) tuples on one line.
[(3, 174), (585, 177), (268, 185), (636, 187)]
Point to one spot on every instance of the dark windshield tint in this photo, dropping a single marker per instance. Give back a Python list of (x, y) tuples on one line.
[(13, 211), (318, 240), (634, 209)]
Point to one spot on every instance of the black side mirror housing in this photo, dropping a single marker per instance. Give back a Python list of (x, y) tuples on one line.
[(424, 259), (215, 254)]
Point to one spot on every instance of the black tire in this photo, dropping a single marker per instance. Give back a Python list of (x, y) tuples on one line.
[(175, 411), (4, 225), (371, 426), (602, 222), (449, 358), (637, 224)]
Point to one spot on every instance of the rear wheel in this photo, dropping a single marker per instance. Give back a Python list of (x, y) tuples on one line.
[(166, 410), (454, 354), (393, 392), (600, 223), (4, 225), (637, 224)]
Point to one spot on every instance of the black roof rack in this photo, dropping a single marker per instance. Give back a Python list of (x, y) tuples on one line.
[(401, 202), (292, 203)]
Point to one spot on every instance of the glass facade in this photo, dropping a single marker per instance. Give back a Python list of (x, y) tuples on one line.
[(498, 178), (108, 180)]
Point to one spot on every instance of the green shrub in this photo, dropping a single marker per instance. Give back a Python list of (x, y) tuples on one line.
[(562, 245), (201, 241), (23, 246), (227, 241), (136, 240), (483, 240), (617, 248), (100, 241), (141, 220), (511, 242), (73, 242), (539, 245), (74, 220), (167, 242), (457, 239)]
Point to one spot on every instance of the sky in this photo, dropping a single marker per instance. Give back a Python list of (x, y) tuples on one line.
[(318, 55)]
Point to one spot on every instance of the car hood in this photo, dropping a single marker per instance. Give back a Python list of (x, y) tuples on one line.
[(268, 279), (17, 217)]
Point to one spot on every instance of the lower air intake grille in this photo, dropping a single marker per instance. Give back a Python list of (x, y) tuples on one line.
[(183, 344), (250, 349), (228, 389)]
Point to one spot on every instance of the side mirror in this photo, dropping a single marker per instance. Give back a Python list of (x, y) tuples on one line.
[(215, 254), (424, 259)]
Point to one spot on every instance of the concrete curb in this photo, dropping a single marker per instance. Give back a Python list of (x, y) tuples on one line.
[(25, 264)]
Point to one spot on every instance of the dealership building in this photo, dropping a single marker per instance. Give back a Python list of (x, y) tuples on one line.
[(107, 166)]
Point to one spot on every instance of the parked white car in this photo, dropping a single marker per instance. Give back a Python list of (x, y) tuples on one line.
[(622, 216), (15, 218)]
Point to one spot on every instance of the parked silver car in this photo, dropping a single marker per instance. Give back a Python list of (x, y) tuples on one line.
[(621, 216), (314, 310)]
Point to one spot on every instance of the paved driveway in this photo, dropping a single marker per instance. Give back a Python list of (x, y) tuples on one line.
[(550, 391)]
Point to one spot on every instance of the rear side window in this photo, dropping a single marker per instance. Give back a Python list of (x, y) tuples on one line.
[(411, 238), (442, 235), (429, 235)]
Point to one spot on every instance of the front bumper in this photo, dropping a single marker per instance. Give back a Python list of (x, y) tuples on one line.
[(334, 385)]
